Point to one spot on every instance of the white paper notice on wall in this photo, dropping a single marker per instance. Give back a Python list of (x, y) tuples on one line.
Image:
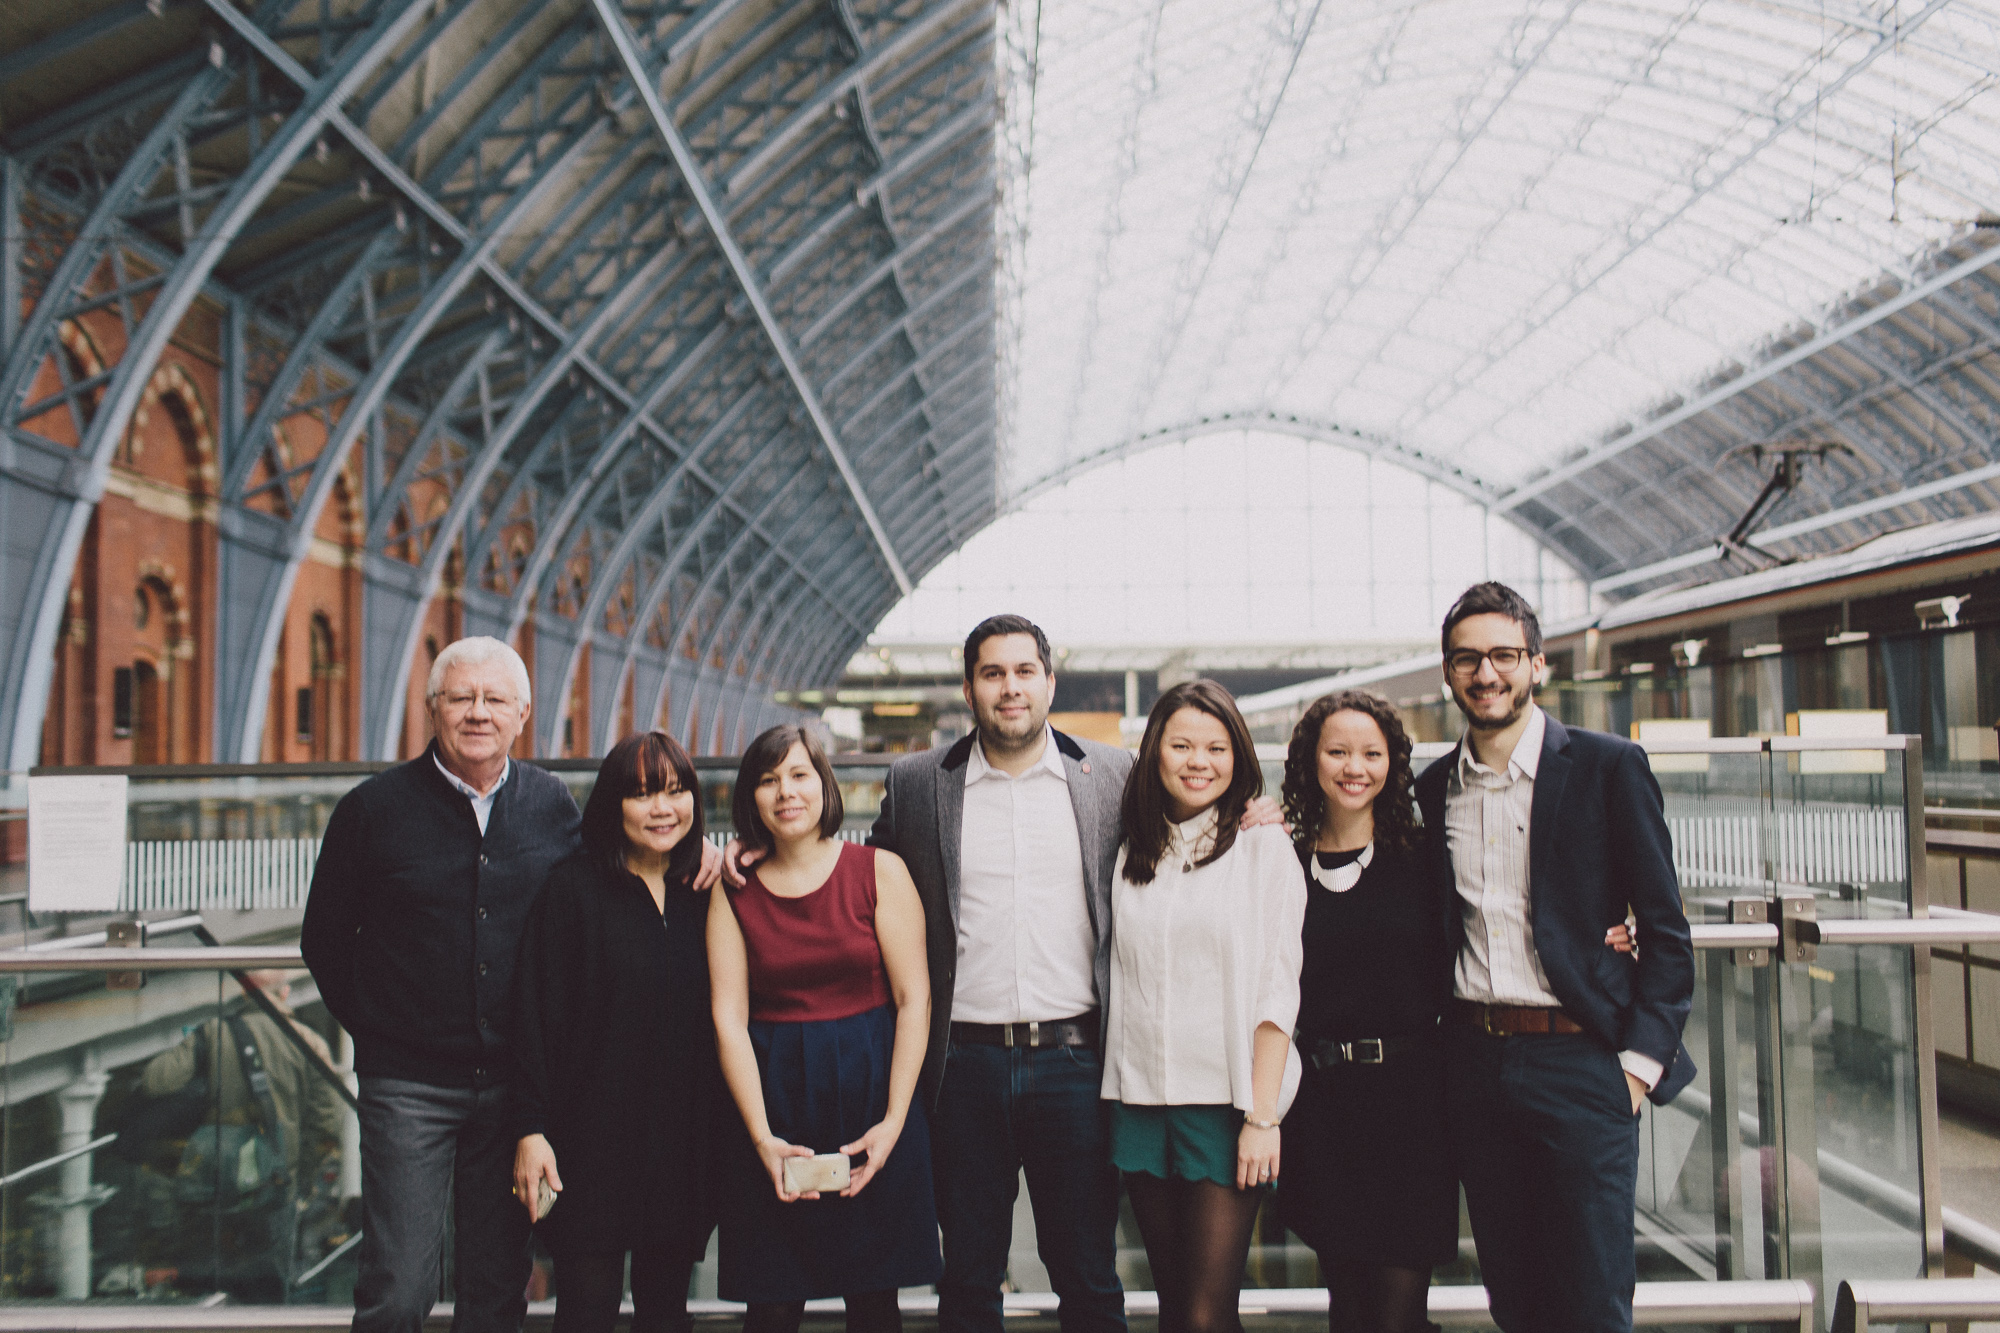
[(76, 843)]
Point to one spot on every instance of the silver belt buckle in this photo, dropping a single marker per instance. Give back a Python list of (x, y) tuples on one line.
[(1353, 1051), (1034, 1035), (1007, 1035)]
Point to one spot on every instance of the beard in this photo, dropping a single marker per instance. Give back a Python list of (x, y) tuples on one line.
[(1519, 697)]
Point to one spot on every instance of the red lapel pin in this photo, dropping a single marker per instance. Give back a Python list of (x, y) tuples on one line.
[(1086, 765)]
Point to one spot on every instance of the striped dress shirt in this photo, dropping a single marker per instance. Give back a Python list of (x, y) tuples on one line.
[(1487, 816)]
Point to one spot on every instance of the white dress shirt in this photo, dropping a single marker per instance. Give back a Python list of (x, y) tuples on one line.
[(1200, 957), (482, 806), (1027, 952), (1487, 817)]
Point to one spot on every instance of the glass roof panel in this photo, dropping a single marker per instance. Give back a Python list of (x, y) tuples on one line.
[(1487, 230)]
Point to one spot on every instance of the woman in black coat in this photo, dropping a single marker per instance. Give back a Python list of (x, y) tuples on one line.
[(617, 1081)]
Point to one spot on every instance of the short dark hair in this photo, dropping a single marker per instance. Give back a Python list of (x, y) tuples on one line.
[(640, 765), (1305, 803), (1143, 811), (1494, 599), (995, 626), (764, 755)]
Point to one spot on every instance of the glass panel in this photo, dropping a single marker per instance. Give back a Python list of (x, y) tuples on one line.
[(195, 1185), (1839, 834)]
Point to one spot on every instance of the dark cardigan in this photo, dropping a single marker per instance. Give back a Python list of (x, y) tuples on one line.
[(414, 921), (614, 1058)]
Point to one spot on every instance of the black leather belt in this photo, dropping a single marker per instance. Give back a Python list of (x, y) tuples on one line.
[(1079, 1031), (1361, 1051)]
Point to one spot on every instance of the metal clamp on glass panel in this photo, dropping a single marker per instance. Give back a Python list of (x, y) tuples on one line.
[(1798, 927), (1749, 912), (124, 935)]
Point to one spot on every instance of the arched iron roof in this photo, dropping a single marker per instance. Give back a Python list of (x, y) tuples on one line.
[(667, 327)]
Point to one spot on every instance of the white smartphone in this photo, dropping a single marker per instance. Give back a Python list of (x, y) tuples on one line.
[(825, 1172)]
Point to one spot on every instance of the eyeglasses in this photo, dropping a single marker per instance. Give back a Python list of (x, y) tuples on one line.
[(1465, 662), (459, 701)]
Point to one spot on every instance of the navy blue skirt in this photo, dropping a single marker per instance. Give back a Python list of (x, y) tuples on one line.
[(826, 1084)]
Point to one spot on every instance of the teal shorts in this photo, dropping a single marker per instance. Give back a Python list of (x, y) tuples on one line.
[(1176, 1142)]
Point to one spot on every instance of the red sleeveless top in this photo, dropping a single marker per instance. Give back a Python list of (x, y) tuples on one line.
[(816, 957)]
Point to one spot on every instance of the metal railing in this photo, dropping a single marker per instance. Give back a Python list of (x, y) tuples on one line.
[(1776, 1305), (1864, 1305)]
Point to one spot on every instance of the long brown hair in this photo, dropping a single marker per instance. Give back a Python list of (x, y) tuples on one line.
[(1305, 803), (1143, 812)]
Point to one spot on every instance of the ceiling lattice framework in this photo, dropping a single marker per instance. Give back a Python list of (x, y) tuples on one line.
[(665, 328), (1568, 256)]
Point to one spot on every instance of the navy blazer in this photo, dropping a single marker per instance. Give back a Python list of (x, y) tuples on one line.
[(1597, 844)]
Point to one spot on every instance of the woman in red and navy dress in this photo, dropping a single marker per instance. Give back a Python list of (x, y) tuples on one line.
[(822, 1014)]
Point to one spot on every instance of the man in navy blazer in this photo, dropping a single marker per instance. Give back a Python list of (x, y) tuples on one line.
[(1543, 838)]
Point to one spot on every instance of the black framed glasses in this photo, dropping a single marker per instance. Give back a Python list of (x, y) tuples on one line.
[(1464, 663)]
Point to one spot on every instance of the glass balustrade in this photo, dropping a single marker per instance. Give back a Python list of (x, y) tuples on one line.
[(1804, 1148)]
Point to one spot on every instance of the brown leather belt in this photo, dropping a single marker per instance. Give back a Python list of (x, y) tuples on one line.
[(1078, 1031), (1514, 1020)]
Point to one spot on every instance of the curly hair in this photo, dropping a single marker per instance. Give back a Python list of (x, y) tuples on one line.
[(1305, 803)]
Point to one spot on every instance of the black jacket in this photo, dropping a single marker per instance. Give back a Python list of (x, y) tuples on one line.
[(1597, 843), (414, 920), (614, 1058)]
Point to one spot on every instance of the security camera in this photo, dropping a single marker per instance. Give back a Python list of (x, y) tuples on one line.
[(1941, 611)]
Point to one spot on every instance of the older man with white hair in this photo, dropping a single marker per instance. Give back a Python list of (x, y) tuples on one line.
[(423, 886)]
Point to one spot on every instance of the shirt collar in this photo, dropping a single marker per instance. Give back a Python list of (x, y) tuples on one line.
[(506, 770), (1192, 838), (977, 769), (1527, 756)]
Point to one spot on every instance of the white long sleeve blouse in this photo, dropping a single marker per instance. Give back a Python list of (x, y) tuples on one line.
[(1199, 958)]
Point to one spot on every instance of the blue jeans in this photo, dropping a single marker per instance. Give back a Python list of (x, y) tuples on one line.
[(1001, 1111), (426, 1150), (1548, 1151)]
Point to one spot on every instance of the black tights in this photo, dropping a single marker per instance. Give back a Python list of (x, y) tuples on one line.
[(1369, 1298), (867, 1312), (1197, 1236), (590, 1286)]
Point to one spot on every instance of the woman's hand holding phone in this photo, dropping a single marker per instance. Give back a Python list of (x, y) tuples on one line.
[(774, 1151)]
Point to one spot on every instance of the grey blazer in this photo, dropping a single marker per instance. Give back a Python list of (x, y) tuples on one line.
[(922, 819)]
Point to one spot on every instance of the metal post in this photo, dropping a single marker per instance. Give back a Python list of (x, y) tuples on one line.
[(350, 1125), (1724, 1137), (1920, 1001), (77, 1198), (12, 246)]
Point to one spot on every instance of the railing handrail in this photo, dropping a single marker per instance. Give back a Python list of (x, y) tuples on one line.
[(233, 957), (1860, 1305), (1787, 1304), (1959, 927)]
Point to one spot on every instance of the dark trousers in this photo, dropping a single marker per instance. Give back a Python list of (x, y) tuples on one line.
[(1548, 1151), (423, 1149), (1002, 1111), (590, 1287)]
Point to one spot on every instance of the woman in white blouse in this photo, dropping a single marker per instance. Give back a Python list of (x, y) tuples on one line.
[(1205, 952)]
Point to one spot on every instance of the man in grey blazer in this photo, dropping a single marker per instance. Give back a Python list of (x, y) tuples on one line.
[(1011, 836)]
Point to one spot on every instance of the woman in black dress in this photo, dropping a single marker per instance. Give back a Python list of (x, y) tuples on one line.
[(617, 1080), (1368, 1181)]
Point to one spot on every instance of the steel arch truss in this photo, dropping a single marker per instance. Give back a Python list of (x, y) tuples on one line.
[(1904, 380), (665, 328)]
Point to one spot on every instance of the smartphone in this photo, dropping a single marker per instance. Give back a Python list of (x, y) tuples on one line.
[(545, 1198), (825, 1172)]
